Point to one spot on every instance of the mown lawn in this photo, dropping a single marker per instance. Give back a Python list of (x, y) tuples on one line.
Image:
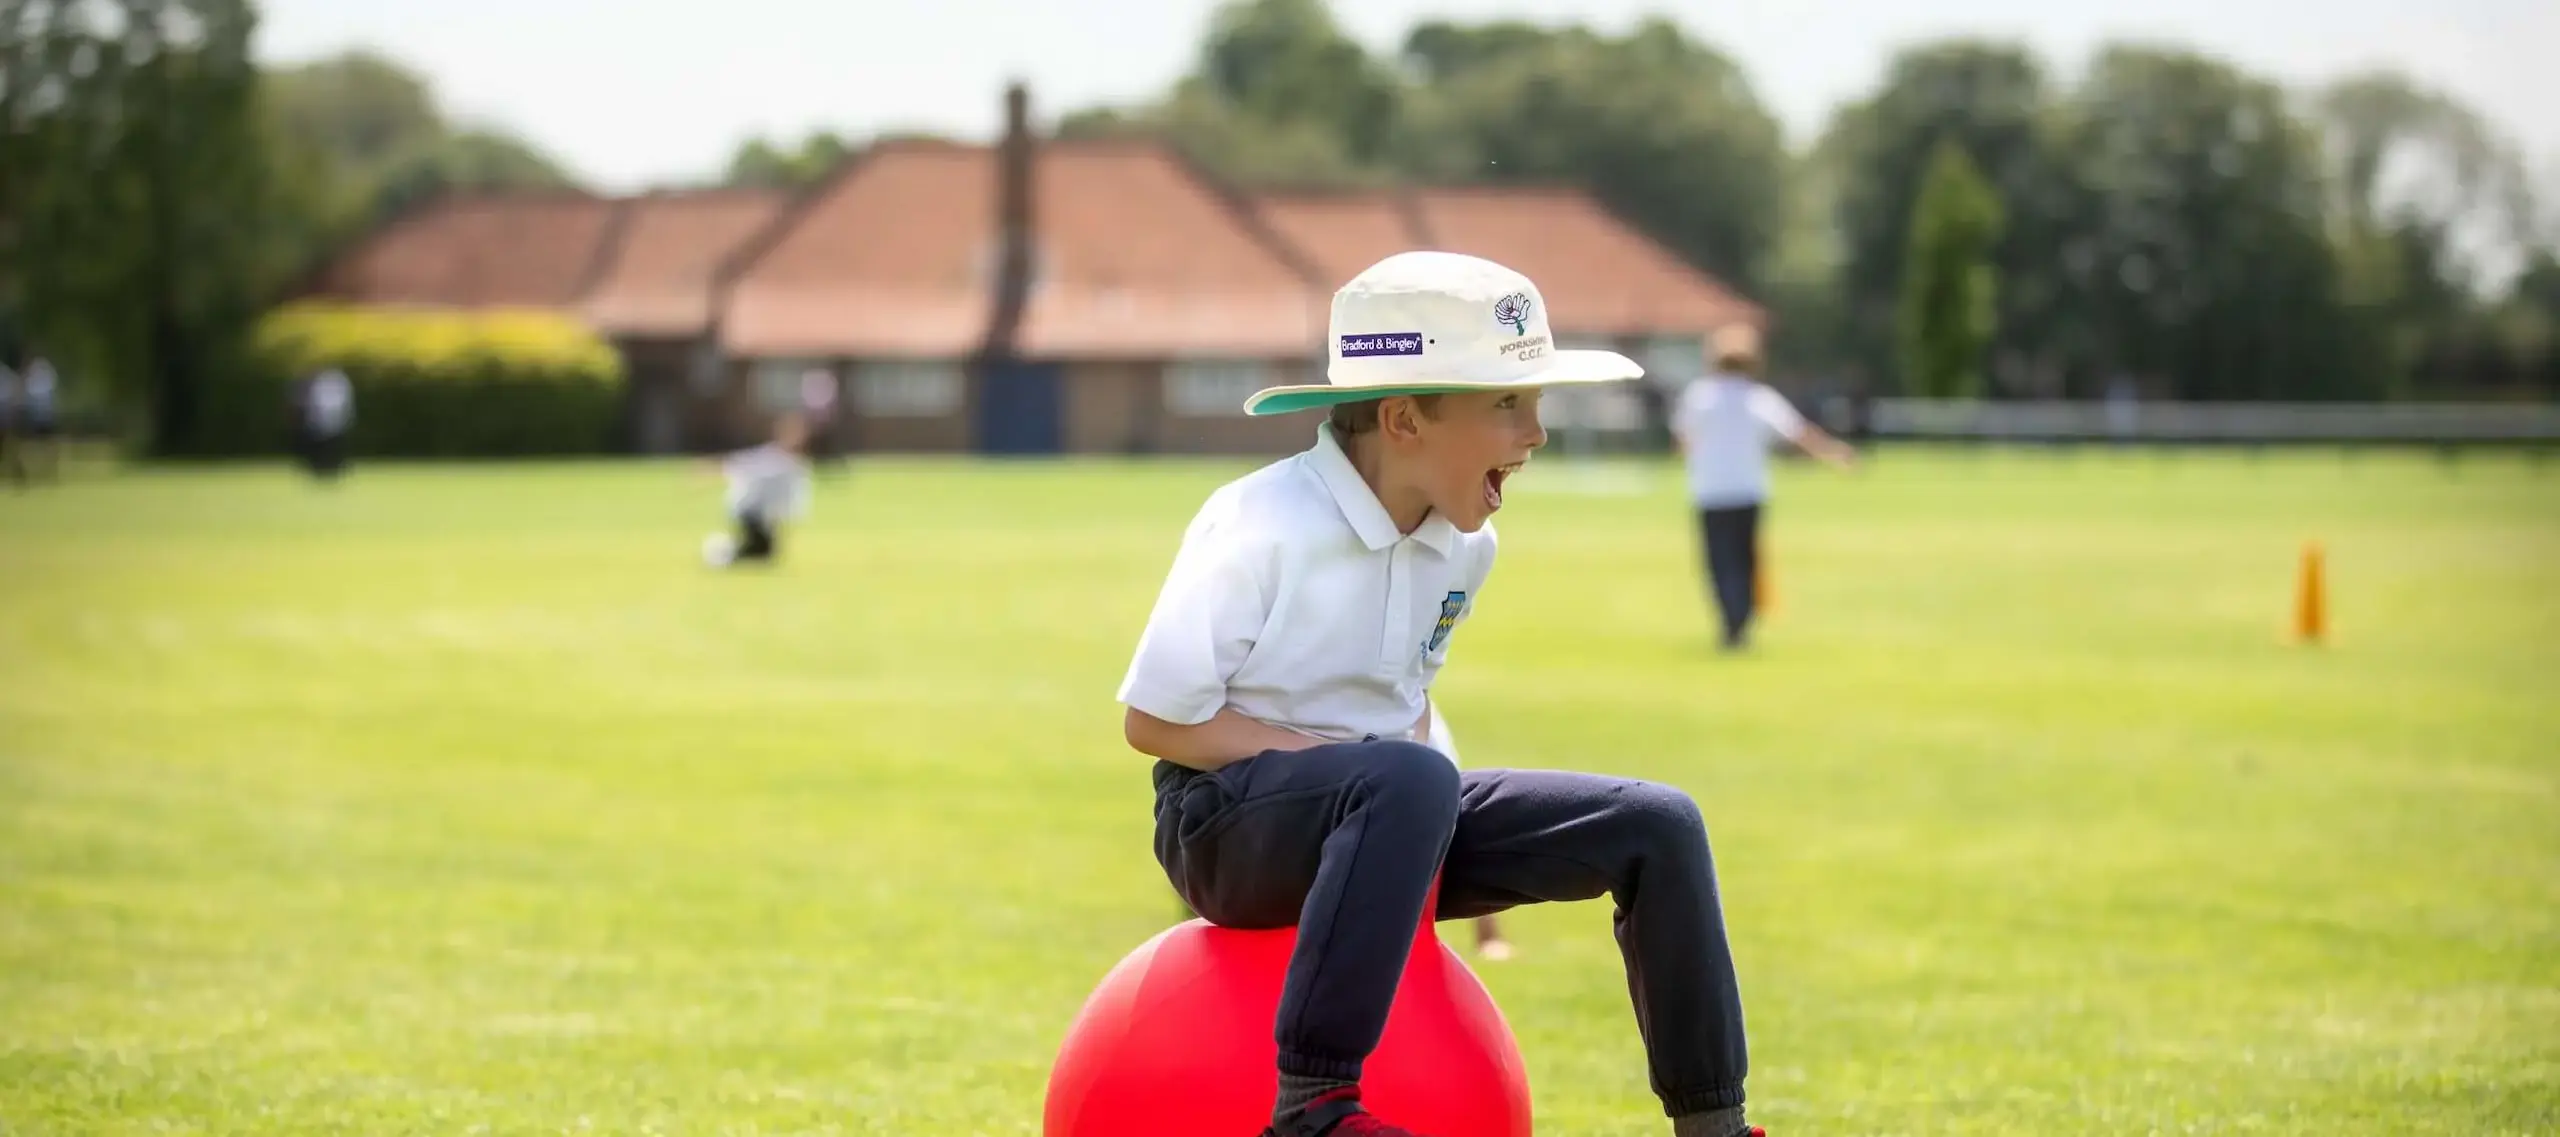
[(463, 799)]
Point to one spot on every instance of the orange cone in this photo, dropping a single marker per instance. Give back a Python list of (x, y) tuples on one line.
[(2310, 597)]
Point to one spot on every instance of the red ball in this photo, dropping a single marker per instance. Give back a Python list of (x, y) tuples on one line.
[(1177, 1042)]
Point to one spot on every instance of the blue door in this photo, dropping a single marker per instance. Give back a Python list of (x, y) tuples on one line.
[(1018, 411)]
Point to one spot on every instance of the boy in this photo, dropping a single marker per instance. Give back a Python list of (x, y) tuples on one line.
[(1283, 685), (38, 423), (767, 484), (1724, 424), (326, 413)]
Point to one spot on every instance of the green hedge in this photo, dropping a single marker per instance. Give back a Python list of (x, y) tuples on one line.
[(429, 383)]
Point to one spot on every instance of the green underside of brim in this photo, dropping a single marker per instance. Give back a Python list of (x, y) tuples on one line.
[(1282, 404)]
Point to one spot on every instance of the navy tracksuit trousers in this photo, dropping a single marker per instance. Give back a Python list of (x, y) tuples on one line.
[(1343, 840)]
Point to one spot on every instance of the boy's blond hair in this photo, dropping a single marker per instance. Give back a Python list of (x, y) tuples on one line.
[(1351, 420), (1736, 347)]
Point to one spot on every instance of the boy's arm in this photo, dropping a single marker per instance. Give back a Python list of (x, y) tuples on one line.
[(1203, 626), (1819, 442), (1782, 416), (1227, 737)]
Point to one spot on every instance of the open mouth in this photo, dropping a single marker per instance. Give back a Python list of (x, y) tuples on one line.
[(1493, 480)]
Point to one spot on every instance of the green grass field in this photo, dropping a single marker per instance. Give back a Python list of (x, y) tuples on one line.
[(464, 800)]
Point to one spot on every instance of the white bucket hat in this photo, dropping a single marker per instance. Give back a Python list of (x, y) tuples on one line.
[(1427, 323)]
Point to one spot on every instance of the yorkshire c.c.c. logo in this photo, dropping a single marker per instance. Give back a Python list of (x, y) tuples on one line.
[(1513, 311), (1450, 606)]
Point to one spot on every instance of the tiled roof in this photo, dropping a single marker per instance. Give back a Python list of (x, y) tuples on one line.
[(488, 250), (1599, 275), (659, 279), (1343, 233), (888, 258), (1139, 255), (1136, 255)]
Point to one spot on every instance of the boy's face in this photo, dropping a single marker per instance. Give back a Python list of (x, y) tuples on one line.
[(1468, 445)]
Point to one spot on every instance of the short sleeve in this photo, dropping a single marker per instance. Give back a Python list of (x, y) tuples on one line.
[(1205, 622), (1773, 409)]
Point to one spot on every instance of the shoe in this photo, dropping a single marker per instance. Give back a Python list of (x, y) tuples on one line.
[(1341, 1116), (718, 550), (1366, 1124), (1361, 1123)]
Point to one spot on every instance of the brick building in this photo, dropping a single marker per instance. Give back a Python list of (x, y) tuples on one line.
[(1033, 296)]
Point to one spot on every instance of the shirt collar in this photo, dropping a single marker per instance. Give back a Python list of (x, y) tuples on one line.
[(1360, 504)]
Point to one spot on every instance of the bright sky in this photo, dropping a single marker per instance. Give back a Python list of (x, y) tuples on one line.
[(629, 92)]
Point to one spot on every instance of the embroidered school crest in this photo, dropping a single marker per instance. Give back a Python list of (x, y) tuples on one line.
[(1450, 606)]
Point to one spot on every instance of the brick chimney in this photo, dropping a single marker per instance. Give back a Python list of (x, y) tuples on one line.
[(1017, 154)]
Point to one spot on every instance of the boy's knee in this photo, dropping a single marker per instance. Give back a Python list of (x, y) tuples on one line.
[(1665, 816), (1414, 773)]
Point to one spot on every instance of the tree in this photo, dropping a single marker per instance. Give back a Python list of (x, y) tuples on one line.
[(1660, 127), (2399, 151), (135, 197), (2200, 246), (2526, 327), (362, 110), (1286, 63), (1234, 142), (1950, 287), (472, 159), (1992, 101), (766, 165), (2431, 208), (373, 131)]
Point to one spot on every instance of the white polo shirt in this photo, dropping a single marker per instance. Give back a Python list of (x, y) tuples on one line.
[(1726, 424), (769, 481), (1295, 601)]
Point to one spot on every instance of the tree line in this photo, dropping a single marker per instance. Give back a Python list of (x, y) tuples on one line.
[(2165, 221), (1976, 224), (160, 190)]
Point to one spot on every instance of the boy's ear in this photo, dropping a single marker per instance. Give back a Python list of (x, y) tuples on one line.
[(1400, 417)]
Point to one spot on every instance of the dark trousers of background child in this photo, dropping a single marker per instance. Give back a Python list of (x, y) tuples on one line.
[(1732, 538), (1343, 841), (755, 538), (324, 455)]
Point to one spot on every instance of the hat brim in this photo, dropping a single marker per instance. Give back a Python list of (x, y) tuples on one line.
[(1567, 368)]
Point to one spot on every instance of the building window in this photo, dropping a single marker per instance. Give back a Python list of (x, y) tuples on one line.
[(777, 383), (908, 388), (1207, 388)]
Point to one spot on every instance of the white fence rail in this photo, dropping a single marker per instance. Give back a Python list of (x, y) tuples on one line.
[(2442, 423)]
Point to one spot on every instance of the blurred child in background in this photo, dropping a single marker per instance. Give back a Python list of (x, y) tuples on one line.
[(323, 414), (768, 484), (1725, 424), (34, 428)]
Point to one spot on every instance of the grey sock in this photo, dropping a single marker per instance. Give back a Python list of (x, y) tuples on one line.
[(1712, 1123), (1300, 1094)]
